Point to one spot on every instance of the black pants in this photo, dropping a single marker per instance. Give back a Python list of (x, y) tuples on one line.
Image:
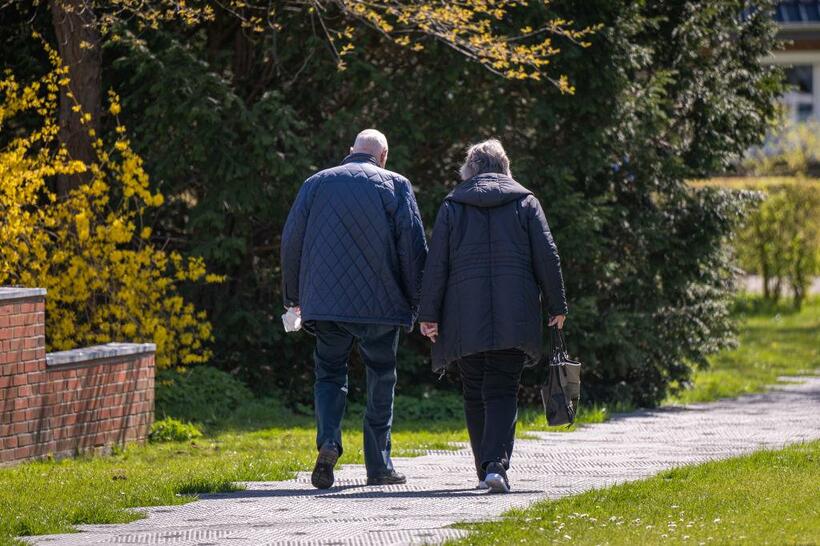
[(490, 386)]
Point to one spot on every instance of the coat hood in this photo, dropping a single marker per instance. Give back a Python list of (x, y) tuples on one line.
[(488, 190)]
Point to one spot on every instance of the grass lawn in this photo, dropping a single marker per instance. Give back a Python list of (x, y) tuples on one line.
[(769, 497), (261, 441), (762, 183), (773, 341), (53, 496)]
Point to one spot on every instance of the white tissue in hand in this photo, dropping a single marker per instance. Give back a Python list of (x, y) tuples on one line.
[(292, 321)]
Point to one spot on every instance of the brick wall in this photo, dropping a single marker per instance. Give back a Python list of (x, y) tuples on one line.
[(62, 403)]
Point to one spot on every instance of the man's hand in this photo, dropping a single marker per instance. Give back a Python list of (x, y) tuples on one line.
[(557, 320), (429, 329), (292, 319)]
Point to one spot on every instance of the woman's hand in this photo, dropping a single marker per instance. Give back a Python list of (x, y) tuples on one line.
[(557, 320), (429, 329)]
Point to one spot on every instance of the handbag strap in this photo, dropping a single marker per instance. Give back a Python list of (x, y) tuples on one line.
[(556, 347), (557, 344)]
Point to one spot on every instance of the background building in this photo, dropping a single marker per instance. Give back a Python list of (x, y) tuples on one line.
[(799, 22)]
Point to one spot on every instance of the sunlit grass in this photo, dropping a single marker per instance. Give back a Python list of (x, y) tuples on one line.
[(260, 442), (752, 182), (52, 497), (770, 497), (774, 341), (264, 442)]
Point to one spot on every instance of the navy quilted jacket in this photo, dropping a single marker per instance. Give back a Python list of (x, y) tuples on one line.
[(353, 247), (492, 272)]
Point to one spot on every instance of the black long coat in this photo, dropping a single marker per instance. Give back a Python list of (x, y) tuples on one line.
[(492, 269)]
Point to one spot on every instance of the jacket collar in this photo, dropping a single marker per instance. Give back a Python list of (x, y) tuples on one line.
[(360, 158), (488, 190)]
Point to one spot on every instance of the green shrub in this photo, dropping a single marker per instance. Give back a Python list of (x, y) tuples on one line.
[(435, 406), (173, 430), (646, 273), (427, 407), (794, 149), (754, 183), (200, 394), (781, 240)]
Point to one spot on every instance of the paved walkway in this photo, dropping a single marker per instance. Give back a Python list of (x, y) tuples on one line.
[(439, 490), (754, 284)]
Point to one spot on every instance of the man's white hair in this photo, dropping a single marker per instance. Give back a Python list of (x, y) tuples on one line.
[(485, 157), (370, 141)]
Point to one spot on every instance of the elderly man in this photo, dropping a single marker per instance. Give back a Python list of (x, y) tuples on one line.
[(353, 253)]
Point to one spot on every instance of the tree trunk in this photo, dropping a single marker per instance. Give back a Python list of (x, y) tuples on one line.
[(764, 263), (78, 41)]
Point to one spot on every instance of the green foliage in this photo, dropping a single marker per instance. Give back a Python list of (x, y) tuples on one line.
[(263, 441), (430, 407), (763, 498), (172, 430), (532, 418), (199, 394), (648, 275), (794, 149), (258, 442), (781, 240), (229, 124), (230, 158), (755, 183)]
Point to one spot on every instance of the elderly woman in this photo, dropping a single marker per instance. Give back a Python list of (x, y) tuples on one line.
[(491, 269)]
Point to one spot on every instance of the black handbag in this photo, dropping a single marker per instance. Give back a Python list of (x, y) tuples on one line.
[(561, 391)]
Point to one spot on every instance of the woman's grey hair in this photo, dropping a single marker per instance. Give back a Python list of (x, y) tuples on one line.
[(485, 157)]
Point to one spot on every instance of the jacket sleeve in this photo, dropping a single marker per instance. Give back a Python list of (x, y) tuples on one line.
[(437, 269), (545, 259), (411, 243), (292, 238)]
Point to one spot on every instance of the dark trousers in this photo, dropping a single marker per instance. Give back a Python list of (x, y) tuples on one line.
[(490, 386), (377, 344)]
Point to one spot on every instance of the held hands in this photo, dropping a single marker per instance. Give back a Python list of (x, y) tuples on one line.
[(557, 320), (429, 329)]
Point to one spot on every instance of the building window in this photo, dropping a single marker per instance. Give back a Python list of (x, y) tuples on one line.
[(799, 78), (799, 98), (797, 11)]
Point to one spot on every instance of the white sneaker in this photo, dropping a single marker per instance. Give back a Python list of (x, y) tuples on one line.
[(497, 484), (482, 485), (497, 479)]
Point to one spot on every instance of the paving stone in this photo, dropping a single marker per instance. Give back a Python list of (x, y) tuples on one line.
[(440, 484)]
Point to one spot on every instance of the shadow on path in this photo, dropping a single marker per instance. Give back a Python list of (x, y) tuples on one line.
[(365, 492), (267, 493), (427, 493), (752, 402), (438, 494)]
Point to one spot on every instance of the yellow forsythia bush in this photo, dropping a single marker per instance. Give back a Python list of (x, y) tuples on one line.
[(90, 250)]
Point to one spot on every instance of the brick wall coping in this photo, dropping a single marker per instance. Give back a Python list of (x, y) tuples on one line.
[(16, 293), (97, 352)]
